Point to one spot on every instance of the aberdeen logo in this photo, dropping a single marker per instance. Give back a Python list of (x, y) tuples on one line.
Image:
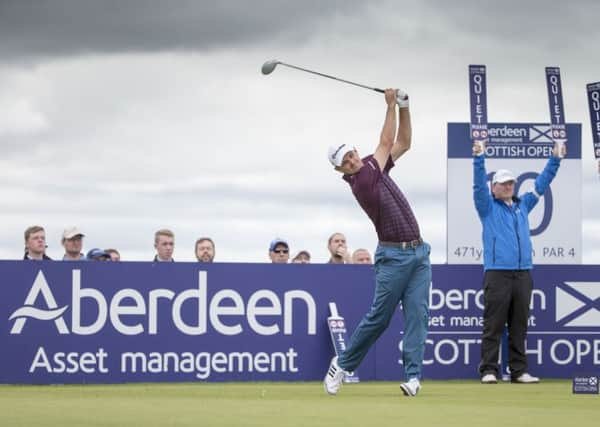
[(578, 304), (131, 312), (53, 312)]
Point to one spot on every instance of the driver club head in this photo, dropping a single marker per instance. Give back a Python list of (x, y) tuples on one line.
[(269, 66)]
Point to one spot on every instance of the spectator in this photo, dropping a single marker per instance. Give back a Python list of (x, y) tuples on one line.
[(361, 256), (507, 262), (302, 257), (72, 240), (35, 243), (164, 242), (279, 251), (115, 256), (205, 249), (338, 249), (98, 254)]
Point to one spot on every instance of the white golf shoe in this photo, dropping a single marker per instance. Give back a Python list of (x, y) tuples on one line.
[(411, 387), (526, 379), (334, 378), (489, 379)]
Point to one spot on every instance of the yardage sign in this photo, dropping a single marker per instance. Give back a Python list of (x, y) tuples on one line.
[(524, 149)]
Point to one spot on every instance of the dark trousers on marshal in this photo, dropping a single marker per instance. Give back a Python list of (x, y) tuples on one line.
[(506, 295)]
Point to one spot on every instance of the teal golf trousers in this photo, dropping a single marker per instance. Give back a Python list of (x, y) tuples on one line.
[(401, 276)]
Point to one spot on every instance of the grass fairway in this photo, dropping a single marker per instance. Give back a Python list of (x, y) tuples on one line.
[(373, 404)]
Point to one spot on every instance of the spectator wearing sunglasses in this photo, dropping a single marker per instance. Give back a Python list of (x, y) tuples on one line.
[(279, 251)]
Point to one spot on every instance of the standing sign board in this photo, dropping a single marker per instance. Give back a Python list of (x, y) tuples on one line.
[(524, 149)]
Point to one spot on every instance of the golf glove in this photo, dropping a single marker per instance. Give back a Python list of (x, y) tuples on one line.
[(401, 98)]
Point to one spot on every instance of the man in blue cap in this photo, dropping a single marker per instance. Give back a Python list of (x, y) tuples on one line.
[(97, 254), (279, 251)]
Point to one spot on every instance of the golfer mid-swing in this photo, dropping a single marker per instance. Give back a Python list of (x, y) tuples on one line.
[(402, 268)]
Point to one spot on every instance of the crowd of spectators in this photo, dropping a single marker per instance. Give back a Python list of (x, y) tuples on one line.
[(164, 244)]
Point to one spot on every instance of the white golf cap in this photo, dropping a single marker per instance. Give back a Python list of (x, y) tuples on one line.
[(71, 232), (336, 153), (503, 175)]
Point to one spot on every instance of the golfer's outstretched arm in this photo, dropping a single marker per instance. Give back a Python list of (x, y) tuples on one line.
[(403, 137), (386, 140)]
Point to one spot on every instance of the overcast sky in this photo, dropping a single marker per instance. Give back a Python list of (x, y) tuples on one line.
[(123, 117)]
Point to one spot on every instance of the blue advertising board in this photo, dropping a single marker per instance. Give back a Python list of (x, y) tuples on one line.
[(89, 322), (563, 333), (117, 322)]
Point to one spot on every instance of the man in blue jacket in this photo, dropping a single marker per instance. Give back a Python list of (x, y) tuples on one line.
[(507, 263)]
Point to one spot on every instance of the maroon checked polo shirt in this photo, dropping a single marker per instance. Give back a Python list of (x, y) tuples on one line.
[(384, 203)]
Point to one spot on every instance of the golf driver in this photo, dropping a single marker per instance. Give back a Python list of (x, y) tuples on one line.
[(269, 66)]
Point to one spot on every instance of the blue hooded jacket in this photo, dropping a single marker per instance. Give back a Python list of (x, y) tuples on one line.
[(506, 238)]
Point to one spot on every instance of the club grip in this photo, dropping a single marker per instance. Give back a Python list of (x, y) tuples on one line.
[(376, 89)]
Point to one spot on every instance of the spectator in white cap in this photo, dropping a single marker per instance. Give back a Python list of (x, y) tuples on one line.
[(507, 262), (279, 251), (72, 240)]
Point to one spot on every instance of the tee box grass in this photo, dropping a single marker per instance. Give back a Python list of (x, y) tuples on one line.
[(371, 404)]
